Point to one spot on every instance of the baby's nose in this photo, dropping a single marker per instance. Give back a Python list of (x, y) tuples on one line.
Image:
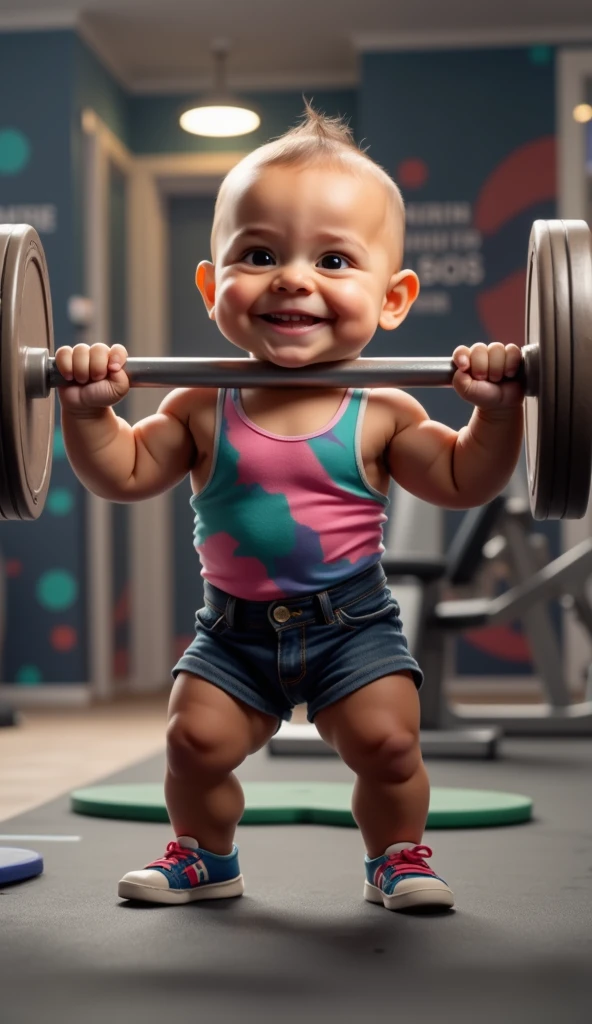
[(292, 278)]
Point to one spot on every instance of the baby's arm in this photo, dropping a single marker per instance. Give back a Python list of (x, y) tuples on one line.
[(465, 468), (110, 457)]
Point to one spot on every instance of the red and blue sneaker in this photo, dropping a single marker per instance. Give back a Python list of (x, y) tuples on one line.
[(184, 874), (401, 879)]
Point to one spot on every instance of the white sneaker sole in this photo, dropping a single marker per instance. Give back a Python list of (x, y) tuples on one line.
[(152, 894), (427, 896)]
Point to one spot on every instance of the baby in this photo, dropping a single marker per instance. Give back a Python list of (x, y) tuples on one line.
[(289, 493)]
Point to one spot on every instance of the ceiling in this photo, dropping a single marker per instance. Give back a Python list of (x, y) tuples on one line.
[(164, 47)]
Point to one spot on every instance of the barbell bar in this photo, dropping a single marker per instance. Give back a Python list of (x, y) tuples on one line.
[(41, 373), (556, 371)]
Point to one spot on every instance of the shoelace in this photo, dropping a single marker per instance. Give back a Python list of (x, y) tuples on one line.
[(410, 861), (174, 854)]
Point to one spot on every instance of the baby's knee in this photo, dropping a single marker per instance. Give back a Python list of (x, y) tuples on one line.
[(203, 746), (392, 756)]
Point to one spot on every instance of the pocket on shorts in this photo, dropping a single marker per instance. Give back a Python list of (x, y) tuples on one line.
[(368, 608), (210, 619)]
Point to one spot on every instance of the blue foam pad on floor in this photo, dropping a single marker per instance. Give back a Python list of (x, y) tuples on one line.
[(17, 865)]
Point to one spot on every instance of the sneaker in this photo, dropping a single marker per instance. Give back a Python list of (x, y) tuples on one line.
[(401, 879), (184, 874)]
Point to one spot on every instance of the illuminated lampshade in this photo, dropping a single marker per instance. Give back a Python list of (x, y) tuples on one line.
[(218, 114)]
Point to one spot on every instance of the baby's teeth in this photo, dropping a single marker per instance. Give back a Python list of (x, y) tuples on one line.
[(287, 317)]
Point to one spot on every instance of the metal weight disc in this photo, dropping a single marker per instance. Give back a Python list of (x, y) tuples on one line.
[(539, 408), (579, 250), (26, 424), (563, 370), (5, 499)]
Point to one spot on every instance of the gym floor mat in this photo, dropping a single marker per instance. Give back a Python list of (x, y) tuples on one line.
[(16, 865), (326, 803)]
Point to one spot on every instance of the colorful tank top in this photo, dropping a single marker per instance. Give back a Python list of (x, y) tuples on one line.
[(283, 516)]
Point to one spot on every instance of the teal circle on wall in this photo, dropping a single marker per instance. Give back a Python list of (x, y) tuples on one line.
[(540, 54), (60, 501), (15, 151), (28, 675), (56, 590), (59, 452)]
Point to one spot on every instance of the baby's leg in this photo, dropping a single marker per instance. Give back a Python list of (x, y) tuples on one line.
[(209, 734), (375, 730)]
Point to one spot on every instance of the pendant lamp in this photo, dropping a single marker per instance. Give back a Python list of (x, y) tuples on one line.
[(219, 114)]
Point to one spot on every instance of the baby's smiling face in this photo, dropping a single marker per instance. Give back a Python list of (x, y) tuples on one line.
[(307, 263)]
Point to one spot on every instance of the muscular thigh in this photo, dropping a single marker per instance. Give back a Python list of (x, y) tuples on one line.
[(386, 711), (198, 705)]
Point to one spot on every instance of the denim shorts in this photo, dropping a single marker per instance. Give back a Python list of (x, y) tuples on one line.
[(312, 650)]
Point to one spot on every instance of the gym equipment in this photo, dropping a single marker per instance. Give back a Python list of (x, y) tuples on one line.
[(431, 625), (529, 601), (315, 803), (556, 370), (17, 865)]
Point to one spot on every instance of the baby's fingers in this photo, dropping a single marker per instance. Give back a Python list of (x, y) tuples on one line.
[(98, 361), (117, 357), (461, 357), (63, 359), (513, 360)]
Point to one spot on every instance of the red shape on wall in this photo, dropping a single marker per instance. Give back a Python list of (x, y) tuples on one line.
[(527, 176), (121, 612), (502, 642), (181, 643), (63, 638), (13, 568), (121, 663), (501, 309), (412, 173)]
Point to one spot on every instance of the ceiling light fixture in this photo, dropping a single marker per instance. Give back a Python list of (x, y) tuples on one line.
[(219, 114)]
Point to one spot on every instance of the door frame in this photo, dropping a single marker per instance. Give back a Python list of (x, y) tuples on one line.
[(154, 179), (150, 180)]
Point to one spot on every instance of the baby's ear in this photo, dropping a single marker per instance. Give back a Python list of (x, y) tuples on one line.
[(205, 280), (403, 289)]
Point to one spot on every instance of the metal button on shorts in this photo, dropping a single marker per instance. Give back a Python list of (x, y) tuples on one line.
[(281, 613)]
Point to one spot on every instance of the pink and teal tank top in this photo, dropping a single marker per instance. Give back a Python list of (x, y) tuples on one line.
[(283, 516)]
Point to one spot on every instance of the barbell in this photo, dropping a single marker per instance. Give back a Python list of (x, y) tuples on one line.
[(556, 371)]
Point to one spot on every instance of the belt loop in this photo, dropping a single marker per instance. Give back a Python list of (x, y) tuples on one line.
[(229, 611), (326, 607)]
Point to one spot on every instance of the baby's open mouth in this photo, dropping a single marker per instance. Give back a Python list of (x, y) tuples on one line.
[(283, 318)]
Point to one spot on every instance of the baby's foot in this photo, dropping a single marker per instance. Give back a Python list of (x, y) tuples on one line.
[(401, 879), (185, 873)]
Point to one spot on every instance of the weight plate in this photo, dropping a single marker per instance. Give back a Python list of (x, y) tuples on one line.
[(5, 498), (563, 370), (579, 249), (26, 424), (539, 409)]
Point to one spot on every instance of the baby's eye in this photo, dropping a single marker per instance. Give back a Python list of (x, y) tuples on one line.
[(332, 261), (258, 258)]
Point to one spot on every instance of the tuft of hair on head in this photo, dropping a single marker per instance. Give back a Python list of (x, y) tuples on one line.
[(317, 135)]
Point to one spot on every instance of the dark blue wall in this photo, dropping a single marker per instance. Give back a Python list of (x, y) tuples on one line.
[(46, 612)]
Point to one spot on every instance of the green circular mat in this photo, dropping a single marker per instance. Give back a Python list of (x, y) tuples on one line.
[(318, 803)]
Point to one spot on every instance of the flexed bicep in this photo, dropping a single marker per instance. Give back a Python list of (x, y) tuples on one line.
[(420, 455)]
